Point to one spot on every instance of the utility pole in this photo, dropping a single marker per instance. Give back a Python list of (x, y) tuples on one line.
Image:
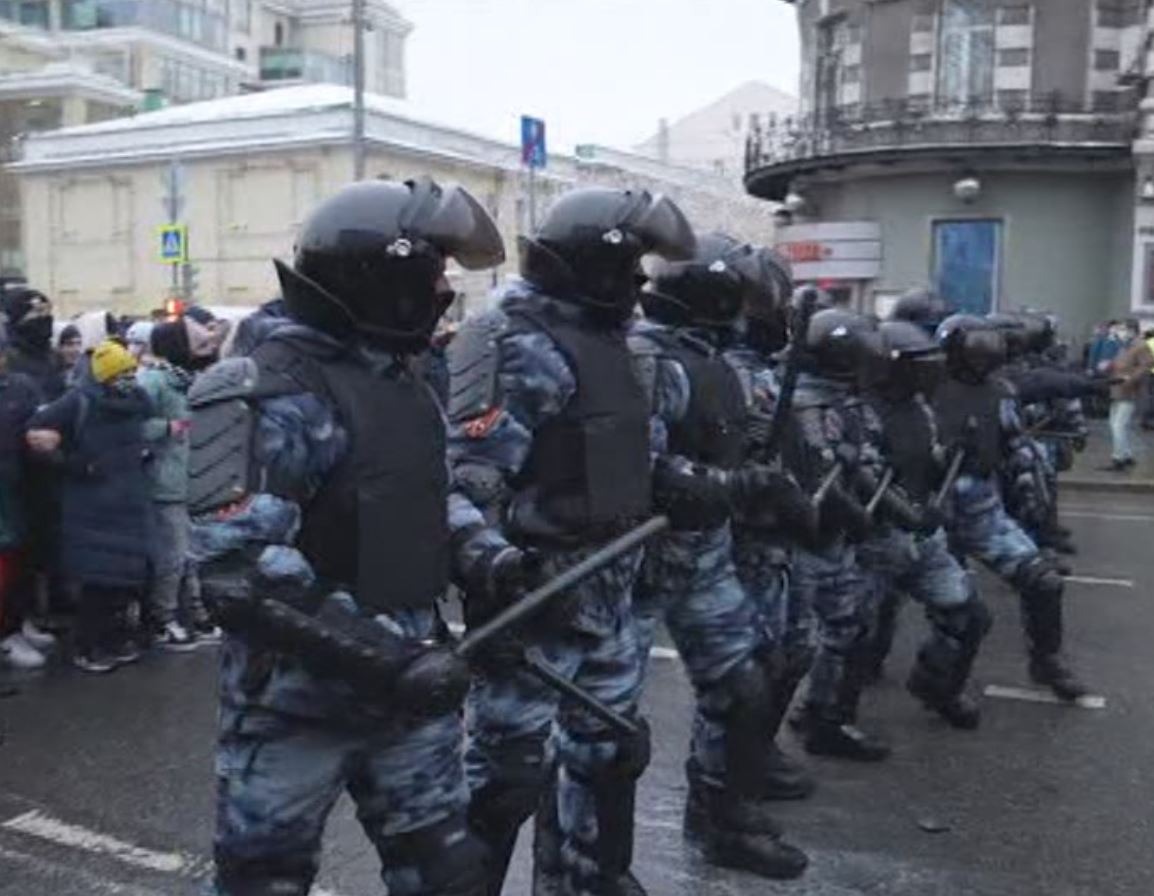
[(358, 89)]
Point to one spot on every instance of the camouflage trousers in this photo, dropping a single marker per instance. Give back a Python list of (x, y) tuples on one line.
[(291, 743), (834, 611), (979, 527), (278, 778), (689, 581), (518, 727)]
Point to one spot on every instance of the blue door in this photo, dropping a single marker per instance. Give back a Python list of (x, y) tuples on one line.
[(966, 256)]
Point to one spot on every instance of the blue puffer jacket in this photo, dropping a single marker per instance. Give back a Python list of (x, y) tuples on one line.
[(106, 491)]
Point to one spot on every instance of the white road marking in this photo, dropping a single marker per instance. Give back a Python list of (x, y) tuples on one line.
[(1096, 580), (93, 883), (42, 826), (1119, 517), (38, 824), (1090, 701)]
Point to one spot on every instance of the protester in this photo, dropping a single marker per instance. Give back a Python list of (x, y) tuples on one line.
[(18, 399), (70, 346), (172, 609), (1129, 370), (96, 433), (137, 337)]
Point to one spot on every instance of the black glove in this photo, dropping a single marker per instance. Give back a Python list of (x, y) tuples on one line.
[(692, 496), (760, 492), (435, 683), (848, 455)]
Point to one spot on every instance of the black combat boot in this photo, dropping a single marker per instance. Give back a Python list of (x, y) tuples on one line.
[(784, 777), (1042, 619), (960, 710), (734, 831), (944, 662), (830, 730)]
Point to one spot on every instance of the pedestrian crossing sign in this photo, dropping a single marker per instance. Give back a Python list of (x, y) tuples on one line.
[(174, 244)]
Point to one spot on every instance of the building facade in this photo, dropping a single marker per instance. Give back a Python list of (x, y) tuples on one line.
[(70, 62), (991, 149), (250, 168)]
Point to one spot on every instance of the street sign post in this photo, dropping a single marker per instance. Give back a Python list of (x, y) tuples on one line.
[(533, 156), (173, 243)]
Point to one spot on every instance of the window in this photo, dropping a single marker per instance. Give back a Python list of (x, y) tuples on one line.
[(1015, 58), (966, 54), (1107, 60), (278, 35), (1107, 100), (831, 39), (1014, 15), (922, 62), (967, 256), (241, 54)]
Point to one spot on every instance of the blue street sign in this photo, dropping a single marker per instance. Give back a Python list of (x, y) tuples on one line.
[(533, 142), (174, 244)]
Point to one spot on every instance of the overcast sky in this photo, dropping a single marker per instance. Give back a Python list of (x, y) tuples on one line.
[(598, 71)]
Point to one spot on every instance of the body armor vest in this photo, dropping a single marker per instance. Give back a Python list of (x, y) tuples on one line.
[(910, 438), (588, 472), (379, 523), (713, 430), (955, 405)]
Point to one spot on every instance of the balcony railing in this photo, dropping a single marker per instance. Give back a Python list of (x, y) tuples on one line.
[(1038, 119), (290, 64)]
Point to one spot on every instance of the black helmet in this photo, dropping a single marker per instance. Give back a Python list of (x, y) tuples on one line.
[(767, 308), (1014, 331), (711, 289), (974, 346), (912, 362), (840, 344), (370, 260), (922, 307), (1041, 329), (589, 247)]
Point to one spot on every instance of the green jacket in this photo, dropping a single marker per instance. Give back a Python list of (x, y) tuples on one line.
[(167, 387)]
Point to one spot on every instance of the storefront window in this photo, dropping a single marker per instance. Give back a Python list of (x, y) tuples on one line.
[(966, 54)]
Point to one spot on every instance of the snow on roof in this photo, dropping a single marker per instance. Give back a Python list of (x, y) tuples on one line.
[(265, 104)]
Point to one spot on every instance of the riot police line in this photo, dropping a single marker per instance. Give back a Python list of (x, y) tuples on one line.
[(761, 472)]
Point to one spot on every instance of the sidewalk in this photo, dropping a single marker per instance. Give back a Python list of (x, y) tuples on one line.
[(1088, 472)]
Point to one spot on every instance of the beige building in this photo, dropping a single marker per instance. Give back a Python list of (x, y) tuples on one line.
[(713, 137), (252, 166), (70, 62)]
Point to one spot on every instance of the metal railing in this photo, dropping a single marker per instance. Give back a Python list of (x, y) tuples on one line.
[(1025, 119)]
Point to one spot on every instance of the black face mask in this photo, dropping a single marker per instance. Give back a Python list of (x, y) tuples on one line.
[(35, 333)]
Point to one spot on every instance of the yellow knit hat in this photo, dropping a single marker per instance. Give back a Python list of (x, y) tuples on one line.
[(110, 360)]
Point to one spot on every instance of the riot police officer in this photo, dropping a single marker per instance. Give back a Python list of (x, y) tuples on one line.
[(909, 553), (922, 307), (550, 438), (688, 577), (974, 413), (320, 491), (832, 452)]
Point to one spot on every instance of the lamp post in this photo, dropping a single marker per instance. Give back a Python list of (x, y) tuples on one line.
[(358, 89)]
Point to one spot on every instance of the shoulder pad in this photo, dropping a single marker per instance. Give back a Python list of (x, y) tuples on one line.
[(474, 359), (230, 378)]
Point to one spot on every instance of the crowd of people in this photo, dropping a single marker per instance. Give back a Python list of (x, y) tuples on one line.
[(94, 485), (797, 469)]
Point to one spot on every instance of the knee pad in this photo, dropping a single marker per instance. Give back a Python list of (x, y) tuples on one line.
[(750, 688), (515, 782), (1037, 577), (446, 858), (967, 623)]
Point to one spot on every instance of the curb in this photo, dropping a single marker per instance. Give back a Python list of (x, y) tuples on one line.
[(1115, 486)]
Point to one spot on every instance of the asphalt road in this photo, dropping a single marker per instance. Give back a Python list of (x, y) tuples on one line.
[(106, 783)]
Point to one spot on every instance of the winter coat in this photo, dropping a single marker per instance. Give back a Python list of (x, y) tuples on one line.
[(42, 367), (1132, 367), (167, 388), (106, 493), (18, 400)]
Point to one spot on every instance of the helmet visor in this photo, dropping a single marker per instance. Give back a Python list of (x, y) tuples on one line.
[(663, 229), (984, 351), (460, 227)]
